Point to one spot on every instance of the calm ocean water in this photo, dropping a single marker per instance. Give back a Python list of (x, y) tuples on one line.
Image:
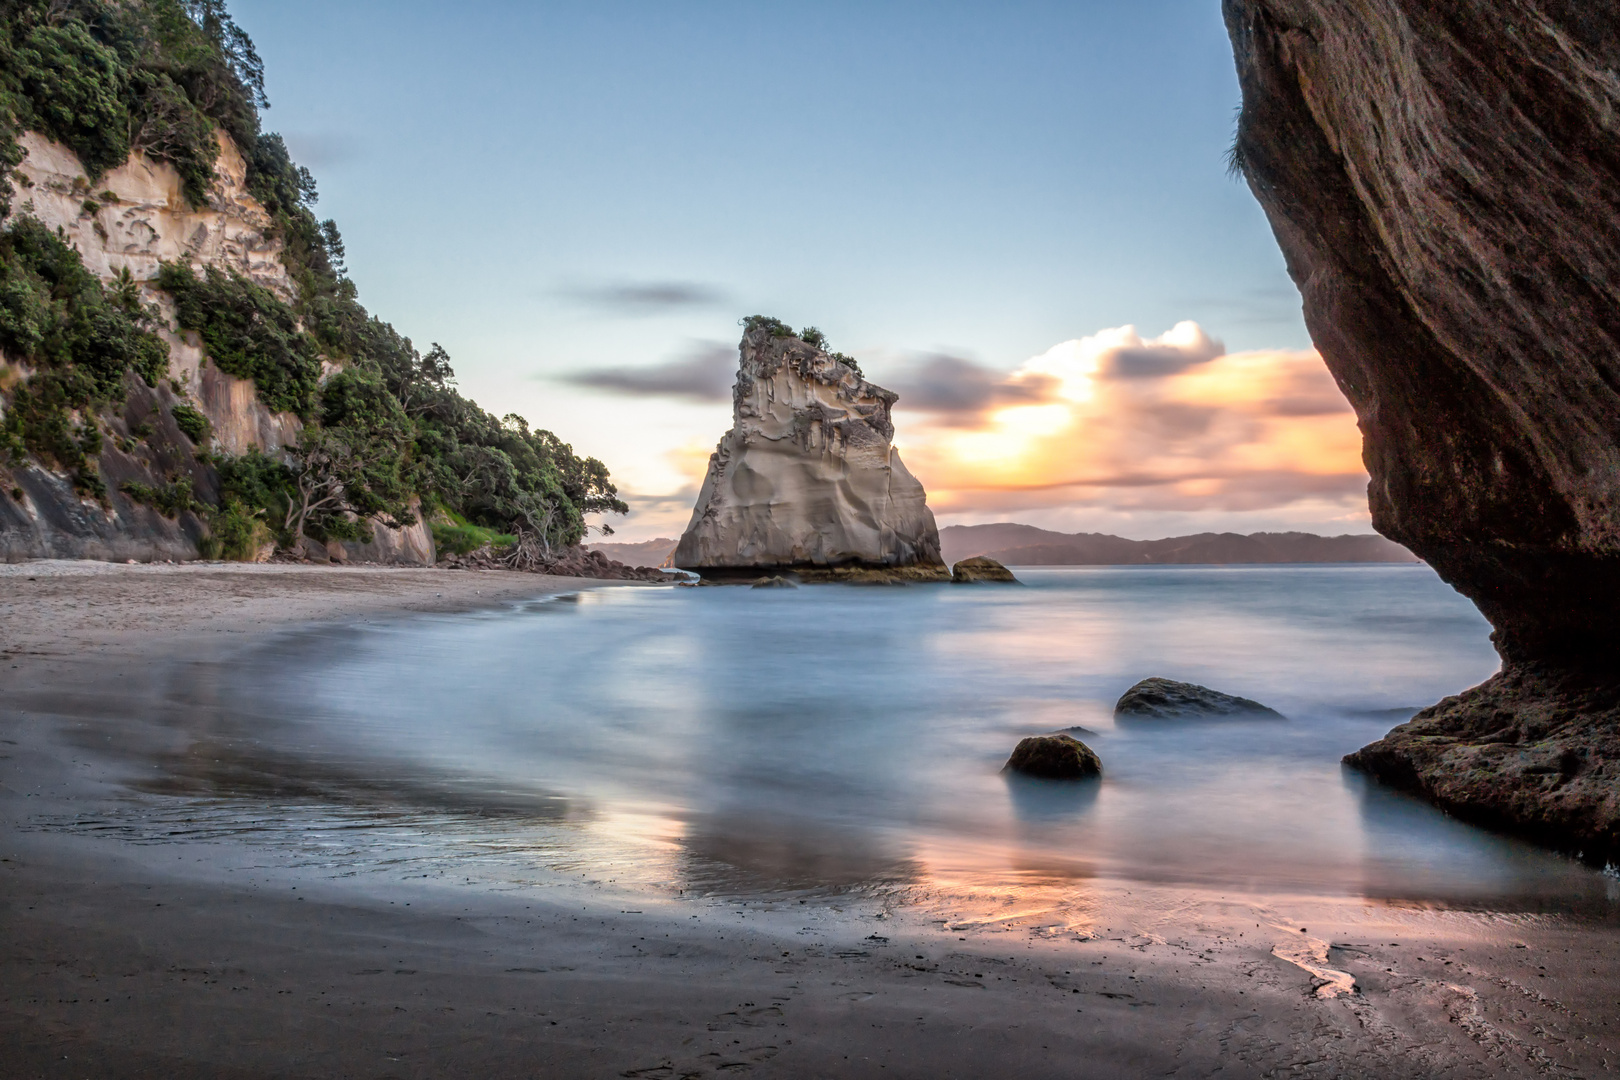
[(746, 741)]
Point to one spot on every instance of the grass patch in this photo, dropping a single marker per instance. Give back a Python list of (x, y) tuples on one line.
[(455, 535)]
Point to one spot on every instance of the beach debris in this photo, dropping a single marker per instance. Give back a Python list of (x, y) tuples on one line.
[(981, 569), (1054, 757), (1167, 699)]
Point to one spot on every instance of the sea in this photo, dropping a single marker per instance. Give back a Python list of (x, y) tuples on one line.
[(740, 742)]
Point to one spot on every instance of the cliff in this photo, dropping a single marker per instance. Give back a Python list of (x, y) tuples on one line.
[(1444, 180), (125, 226), (808, 479), (185, 364)]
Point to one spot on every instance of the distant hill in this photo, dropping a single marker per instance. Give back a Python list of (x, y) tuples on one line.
[(647, 553), (1026, 545)]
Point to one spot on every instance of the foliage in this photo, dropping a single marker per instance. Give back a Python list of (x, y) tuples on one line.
[(256, 481), (455, 535), (248, 333), (164, 77), (191, 422), (56, 318), (777, 328), (108, 77), (170, 499), (235, 532)]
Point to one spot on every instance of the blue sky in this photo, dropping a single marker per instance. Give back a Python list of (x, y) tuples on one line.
[(551, 189)]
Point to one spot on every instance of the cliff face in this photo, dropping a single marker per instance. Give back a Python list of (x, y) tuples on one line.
[(134, 218), (807, 478), (1444, 180)]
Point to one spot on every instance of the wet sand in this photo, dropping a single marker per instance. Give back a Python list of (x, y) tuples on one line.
[(140, 942)]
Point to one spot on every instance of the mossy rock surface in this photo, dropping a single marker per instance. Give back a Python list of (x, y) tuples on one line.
[(980, 569), (1167, 699), (1054, 757)]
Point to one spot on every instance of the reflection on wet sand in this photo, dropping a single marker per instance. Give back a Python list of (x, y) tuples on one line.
[(696, 743)]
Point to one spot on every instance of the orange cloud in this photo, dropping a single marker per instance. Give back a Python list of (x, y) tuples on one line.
[(1120, 421)]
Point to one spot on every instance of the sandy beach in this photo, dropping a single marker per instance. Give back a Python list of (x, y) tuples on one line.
[(168, 913)]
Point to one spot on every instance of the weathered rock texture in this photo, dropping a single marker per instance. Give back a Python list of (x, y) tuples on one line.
[(1444, 180), (1054, 757), (146, 222), (808, 479), (1167, 699), (981, 569)]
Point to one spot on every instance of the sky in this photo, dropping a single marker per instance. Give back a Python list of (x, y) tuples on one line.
[(1017, 215)]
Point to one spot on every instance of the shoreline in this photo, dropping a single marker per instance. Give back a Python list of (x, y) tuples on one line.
[(167, 949)]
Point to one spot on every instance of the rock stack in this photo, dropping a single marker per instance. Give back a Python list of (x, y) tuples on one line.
[(807, 480)]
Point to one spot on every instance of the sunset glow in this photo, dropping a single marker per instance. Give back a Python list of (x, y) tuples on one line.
[(1166, 422)]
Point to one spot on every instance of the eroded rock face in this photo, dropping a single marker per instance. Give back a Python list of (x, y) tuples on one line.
[(807, 478), (1444, 180), (136, 217)]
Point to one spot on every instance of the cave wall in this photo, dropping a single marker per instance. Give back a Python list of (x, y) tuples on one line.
[(1442, 179)]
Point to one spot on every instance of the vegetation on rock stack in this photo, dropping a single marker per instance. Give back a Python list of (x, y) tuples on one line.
[(160, 77)]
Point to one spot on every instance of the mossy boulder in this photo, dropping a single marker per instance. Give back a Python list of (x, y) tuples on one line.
[(980, 569), (1054, 757)]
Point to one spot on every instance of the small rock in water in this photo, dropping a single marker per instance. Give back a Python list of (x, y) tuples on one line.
[(1166, 699), (977, 569), (1054, 757), (777, 582)]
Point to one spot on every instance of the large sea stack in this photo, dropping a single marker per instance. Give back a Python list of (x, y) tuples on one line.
[(808, 480), (1444, 180)]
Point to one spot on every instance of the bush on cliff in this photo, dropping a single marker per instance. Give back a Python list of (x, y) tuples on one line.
[(80, 339)]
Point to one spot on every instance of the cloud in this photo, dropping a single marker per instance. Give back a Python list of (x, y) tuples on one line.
[(647, 297), (321, 149), (959, 392), (706, 373), (1124, 423)]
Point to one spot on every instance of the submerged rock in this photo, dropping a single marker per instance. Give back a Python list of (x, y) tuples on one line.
[(980, 568), (1166, 699), (1054, 757), (808, 479), (777, 582), (1441, 179)]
